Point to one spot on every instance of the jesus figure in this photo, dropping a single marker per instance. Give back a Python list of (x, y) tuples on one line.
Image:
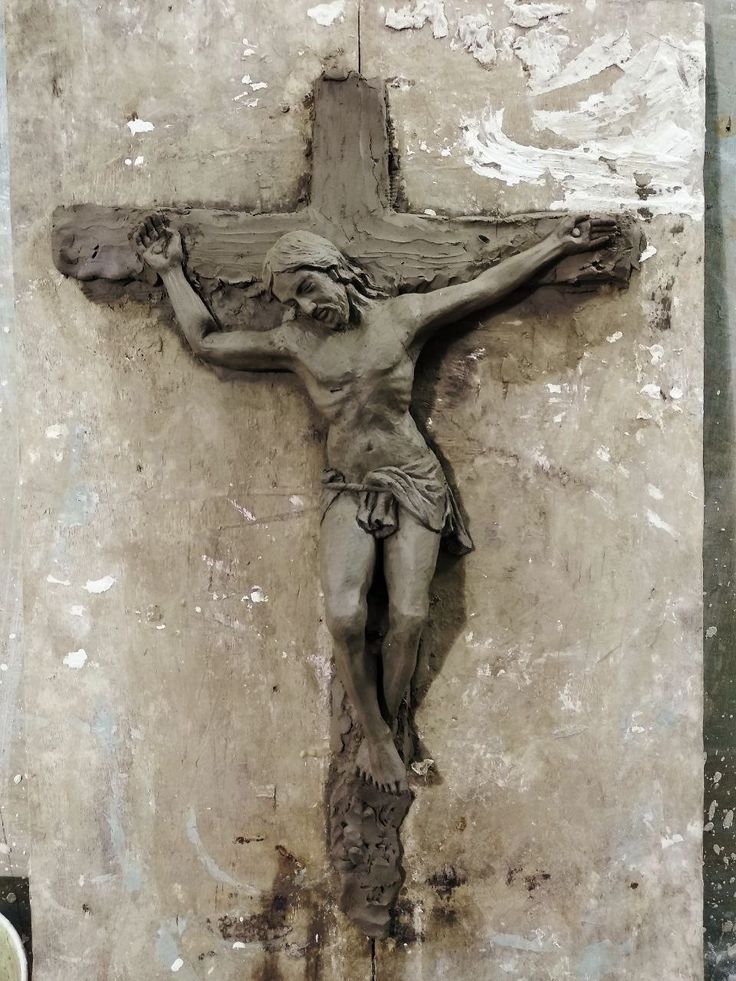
[(355, 349)]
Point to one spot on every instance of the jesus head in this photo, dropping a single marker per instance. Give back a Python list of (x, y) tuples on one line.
[(327, 285)]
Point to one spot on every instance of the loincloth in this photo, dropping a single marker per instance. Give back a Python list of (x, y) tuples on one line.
[(420, 488)]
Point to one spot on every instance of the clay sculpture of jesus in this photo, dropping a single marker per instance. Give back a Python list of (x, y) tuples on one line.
[(355, 349)]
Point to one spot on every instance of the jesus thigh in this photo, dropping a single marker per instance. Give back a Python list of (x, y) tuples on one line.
[(409, 561)]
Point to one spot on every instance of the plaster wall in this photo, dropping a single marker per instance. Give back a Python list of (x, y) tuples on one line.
[(176, 667)]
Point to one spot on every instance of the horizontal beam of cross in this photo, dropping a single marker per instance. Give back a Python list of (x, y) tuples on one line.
[(350, 203)]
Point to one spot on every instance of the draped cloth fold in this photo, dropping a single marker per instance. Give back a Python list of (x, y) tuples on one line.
[(421, 488)]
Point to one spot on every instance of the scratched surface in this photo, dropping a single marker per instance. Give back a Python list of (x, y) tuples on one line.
[(177, 670)]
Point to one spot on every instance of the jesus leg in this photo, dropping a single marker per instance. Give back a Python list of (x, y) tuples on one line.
[(410, 559), (347, 562)]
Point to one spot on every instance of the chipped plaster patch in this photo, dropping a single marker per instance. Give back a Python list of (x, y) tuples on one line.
[(326, 14), (415, 16)]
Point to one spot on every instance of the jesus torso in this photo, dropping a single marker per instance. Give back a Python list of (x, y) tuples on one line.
[(361, 381)]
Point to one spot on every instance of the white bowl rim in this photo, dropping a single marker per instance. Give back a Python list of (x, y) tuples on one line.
[(18, 946)]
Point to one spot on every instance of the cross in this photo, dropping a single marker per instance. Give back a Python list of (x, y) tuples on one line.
[(352, 204), (353, 192)]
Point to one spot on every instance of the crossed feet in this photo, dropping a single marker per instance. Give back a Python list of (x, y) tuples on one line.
[(378, 763)]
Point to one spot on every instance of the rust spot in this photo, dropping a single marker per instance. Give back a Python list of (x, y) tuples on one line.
[(447, 880), (512, 874), (725, 126), (535, 880), (403, 930)]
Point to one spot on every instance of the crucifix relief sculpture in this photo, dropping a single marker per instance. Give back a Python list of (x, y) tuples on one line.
[(365, 288), (355, 350)]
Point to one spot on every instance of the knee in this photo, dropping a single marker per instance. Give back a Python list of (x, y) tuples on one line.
[(408, 620), (347, 624)]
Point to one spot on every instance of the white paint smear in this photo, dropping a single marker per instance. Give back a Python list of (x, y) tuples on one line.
[(57, 431), (327, 13), (648, 253), (647, 122), (653, 391), (177, 965), (656, 522), (669, 840), (57, 582), (416, 15), (248, 515), (76, 659), (616, 336), (654, 492), (100, 585), (606, 52), (139, 126), (77, 611), (530, 14)]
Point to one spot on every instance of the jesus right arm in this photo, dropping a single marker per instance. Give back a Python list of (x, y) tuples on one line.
[(159, 246)]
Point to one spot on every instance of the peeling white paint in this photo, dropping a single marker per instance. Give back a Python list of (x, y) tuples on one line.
[(616, 336), (648, 253), (645, 122), (478, 37), (711, 632), (531, 14), (177, 965), (76, 659), (604, 454), (540, 54), (139, 126), (100, 585), (326, 14), (606, 52), (416, 15)]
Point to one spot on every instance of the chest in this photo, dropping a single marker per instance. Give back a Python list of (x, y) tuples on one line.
[(360, 359)]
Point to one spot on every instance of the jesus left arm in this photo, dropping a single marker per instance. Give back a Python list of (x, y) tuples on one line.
[(424, 313)]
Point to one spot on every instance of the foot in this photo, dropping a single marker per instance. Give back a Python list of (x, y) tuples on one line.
[(378, 763)]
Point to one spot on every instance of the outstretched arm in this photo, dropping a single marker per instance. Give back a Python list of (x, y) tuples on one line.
[(160, 247), (426, 312)]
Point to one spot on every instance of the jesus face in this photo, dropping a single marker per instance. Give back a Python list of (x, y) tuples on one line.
[(316, 294)]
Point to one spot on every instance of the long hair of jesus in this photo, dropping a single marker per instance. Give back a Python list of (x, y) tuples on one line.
[(305, 250)]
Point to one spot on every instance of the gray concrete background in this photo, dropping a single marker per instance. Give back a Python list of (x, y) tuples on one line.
[(176, 667)]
